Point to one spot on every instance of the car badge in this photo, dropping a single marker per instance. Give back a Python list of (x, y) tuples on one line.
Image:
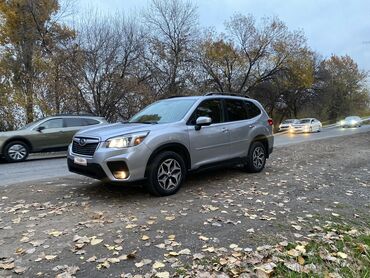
[(82, 142)]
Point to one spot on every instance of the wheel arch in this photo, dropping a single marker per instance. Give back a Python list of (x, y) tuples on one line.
[(263, 139), (19, 139), (175, 147)]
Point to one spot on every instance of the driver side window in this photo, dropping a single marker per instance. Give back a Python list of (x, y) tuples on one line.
[(53, 123), (209, 108)]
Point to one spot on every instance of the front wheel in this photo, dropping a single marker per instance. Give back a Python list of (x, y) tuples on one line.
[(166, 174), (256, 159), (16, 151)]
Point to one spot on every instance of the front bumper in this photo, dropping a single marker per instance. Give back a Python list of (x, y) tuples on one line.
[(284, 127), (99, 166), (299, 129)]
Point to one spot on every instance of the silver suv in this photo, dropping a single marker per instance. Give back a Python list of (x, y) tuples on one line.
[(171, 137)]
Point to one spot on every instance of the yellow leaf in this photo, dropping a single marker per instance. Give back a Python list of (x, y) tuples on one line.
[(342, 255), (50, 257), (145, 237), (157, 265), (301, 260), (95, 241)]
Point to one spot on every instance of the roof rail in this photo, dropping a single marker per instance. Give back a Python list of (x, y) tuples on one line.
[(72, 114), (225, 94), (174, 96)]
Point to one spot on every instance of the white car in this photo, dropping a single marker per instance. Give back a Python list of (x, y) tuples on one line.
[(306, 125), (286, 124), (352, 121)]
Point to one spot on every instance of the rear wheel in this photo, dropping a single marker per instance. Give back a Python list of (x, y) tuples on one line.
[(16, 151), (256, 159), (166, 174)]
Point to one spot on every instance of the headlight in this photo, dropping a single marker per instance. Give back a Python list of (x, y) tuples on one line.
[(126, 141), (342, 122)]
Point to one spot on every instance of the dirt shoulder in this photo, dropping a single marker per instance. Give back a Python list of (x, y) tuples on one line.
[(84, 228)]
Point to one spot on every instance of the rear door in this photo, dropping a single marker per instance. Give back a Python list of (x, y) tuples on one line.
[(210, 143), (241, 117), (72, 125)]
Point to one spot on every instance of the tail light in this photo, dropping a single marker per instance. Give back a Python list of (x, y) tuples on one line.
[(270, 122)]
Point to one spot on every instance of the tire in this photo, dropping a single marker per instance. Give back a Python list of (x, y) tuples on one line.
[(253, 164), (16, 151), (161, 182)]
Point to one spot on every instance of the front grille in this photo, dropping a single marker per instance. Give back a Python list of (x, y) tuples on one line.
[(87, 149)]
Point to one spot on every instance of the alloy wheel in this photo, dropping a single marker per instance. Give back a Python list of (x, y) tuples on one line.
[(17, 152), (258, 157), (169, 174)]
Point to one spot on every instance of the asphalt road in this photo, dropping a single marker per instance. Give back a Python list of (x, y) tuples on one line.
[(36, 169)]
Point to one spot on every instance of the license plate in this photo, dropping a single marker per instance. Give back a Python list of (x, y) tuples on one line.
[(80, 161)]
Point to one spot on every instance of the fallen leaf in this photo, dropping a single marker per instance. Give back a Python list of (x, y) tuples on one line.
[(96, 241), (158, 264)]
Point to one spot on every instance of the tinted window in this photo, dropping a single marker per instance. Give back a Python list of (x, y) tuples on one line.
[(235, 110), (91, 122), (53, 123), (252, 109), (208, 108), (72, 122)]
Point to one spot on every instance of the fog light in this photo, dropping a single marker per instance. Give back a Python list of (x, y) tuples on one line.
[(121, 175), (119, 169)]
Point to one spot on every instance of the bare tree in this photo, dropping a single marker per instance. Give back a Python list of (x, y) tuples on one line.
[(103, 63), (172, 30)]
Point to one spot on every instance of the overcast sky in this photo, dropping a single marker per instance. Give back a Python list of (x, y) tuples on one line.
[(331, 26)]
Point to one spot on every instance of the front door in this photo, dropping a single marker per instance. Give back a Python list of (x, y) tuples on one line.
[(210, 143)]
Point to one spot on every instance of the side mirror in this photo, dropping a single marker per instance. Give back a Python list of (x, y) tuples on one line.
[(40, 128), (202, 121)]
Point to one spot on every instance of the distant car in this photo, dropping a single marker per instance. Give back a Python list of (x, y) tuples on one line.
[(50, 133), (285, 125), (351, 121), (306, 125)]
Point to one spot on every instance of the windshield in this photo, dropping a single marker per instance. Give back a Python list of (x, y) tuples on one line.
[(165, 111), (290, 121), (30, 124), (305, 121), (351, 118)]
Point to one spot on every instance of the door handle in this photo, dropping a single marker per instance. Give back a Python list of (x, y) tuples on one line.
[(225, 130), (251, 126)]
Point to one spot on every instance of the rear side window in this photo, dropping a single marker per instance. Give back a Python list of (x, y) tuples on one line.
[(235, 110), (72, 122), (209, 108), (91, 122), (252, 109)]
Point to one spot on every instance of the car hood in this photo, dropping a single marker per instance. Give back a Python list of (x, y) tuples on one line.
[(300, 125), (112, 130)]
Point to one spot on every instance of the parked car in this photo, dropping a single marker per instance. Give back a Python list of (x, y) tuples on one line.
[(47, 134), (351, 121), (286, 124), (306, 125), (171, 137)]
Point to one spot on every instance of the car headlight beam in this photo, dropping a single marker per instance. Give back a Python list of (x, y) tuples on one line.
[(126, 141)]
